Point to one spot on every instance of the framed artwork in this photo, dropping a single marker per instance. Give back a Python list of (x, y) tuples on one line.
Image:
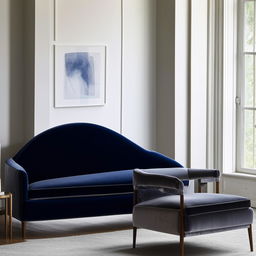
[(79, 76)]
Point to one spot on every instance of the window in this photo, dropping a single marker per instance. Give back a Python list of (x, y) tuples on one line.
[(246, 87), (231, 100)]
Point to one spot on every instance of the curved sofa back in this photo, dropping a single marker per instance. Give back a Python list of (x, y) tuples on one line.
[(83, 148)]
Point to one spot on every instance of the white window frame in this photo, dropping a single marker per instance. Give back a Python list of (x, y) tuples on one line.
[(240, 106), (222, 91), (221, 123), (229, 37)]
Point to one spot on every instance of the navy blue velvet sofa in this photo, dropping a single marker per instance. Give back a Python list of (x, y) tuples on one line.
[(76, 170)]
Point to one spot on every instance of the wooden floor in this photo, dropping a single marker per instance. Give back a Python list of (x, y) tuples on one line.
[(95, 237)]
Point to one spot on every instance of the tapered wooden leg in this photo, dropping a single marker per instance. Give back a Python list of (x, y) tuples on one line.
[(10, 217), (5, 218), (23, 229), (181, 245), (250, 237), (134, 237), (217, 187), (199, 186), (181, 223)]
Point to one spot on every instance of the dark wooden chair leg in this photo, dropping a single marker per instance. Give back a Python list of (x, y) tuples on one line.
[(181, 245), (217, 187), (5, 218), (199, 186), (250, 237), (182, 234), (10, 216), (134, 237), (23, 229)]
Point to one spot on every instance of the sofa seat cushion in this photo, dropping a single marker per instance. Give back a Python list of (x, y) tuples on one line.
[(99, 183), (198, 203)]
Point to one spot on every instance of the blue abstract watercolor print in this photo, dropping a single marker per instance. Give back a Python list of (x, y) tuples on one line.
[(79, 75)]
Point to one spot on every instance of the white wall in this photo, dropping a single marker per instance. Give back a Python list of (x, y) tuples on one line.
[(199, 11), (80, 23), (127, 29), (83, 22), (181, 97), (139, 72), (173, 79), (182, 81)]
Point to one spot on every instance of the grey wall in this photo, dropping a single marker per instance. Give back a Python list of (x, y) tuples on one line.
[(29, 64), (17, 27), (11, 76), (166, 77)]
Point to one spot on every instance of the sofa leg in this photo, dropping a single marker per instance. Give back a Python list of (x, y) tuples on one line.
[(134, 237), (250, 237), (23, 229)]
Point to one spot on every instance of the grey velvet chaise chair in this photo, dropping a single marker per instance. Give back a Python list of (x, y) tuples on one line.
[(161, 205)]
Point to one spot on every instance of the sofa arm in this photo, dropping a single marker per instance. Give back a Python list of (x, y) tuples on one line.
[(16, 182)]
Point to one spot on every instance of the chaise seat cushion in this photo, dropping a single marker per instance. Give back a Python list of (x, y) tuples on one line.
[(115, 182), (204, 213), (199, 203)]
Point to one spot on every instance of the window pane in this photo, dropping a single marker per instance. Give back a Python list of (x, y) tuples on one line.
[(248, 158), (249, 81), (249, 26)]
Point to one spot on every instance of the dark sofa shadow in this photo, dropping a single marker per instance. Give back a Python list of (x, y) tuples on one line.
[(65, 228)]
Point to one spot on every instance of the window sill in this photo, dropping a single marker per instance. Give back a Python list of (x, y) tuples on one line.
[(239, 175)]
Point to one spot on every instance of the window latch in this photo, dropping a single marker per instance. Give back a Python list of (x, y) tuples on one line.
[(237, 100)]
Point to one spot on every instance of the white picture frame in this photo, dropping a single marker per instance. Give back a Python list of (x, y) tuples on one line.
[(79, 77)]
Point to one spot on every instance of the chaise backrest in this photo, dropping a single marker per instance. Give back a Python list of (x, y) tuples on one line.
[(83, 148)]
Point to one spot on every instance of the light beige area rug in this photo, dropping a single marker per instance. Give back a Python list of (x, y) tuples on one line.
[(105, 236)]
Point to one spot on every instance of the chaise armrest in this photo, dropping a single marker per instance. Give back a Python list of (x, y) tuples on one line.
[(16, 182), (187, 173), (143, 179), (151, 185), (204, 174)]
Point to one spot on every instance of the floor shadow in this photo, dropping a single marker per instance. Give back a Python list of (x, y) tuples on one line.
[(170, 248), (65, 228)]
